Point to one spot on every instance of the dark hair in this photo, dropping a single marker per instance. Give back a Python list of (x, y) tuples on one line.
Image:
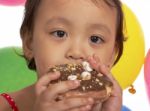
[(31, 7)]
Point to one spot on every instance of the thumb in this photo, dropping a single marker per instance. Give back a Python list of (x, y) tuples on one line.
[(44, 81)]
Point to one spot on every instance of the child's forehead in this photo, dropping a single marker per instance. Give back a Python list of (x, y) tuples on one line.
[(73, 5), (61, 3), (78, 12)]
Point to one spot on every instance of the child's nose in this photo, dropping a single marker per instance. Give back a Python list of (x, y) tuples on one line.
[(76, 53)]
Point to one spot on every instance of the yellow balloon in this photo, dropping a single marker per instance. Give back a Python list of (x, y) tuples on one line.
[(129, 66)]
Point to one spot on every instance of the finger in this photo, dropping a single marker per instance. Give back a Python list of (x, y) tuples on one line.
[(106, 71), (82, 108), (115, 99), (101, 66), (96, 63), (109, 75), (97, 107), (116, 94), (76, 103), (55, 90), (44, 81), (86, 108), (96, 58), (93, 62)]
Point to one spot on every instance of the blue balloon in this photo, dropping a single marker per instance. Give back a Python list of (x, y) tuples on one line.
[(124, 108)]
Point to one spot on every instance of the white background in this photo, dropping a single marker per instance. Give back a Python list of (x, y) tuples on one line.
[(11, 18)]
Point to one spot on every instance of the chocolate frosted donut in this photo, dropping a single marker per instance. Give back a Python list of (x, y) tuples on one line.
[(90, 80)]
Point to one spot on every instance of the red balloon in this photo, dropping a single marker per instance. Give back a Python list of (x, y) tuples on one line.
[(12, 2), (147, 73)]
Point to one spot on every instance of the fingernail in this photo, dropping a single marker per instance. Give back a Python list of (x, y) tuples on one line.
[(94, 61)]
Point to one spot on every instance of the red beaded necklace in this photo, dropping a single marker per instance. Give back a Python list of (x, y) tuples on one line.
[(10, 101)]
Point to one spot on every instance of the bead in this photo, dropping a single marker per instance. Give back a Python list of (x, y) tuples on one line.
[(10, 101)]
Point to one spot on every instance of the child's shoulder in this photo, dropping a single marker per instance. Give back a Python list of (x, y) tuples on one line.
[(3, 105), (6, 99), (20, 98)]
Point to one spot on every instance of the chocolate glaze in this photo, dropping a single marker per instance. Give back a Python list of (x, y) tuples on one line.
[(97, 81)]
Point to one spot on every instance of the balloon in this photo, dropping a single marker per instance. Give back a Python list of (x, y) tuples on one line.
[(14, 74), (147, 73), (129, 66), (12, 2), (124, 108)]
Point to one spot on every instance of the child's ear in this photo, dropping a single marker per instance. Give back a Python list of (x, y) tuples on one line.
[(27, 46)]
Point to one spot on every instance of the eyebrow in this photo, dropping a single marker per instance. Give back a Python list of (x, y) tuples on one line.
[(101, 27), (58, 19)]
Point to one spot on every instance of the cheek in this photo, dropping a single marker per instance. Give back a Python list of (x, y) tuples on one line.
[(106, 54), (47, 56), (44, 61), (45, 53), (105, 57)]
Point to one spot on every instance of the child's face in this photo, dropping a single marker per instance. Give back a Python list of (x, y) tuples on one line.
[(67, 31)]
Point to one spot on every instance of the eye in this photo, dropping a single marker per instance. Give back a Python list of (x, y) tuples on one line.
[(96, 39), (59, 33)]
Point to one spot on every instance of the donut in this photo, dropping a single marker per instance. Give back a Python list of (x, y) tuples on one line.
[(92, 83)]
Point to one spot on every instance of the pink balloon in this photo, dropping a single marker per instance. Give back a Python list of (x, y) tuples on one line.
[(147, 73), (12, 2)]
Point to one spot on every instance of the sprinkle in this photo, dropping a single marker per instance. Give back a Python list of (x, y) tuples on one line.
[(100, 75), (73, 68), (54, 70), (108, 89), (86, 66), (86, 76), (97, 80), (83, 88), (72, 77), (100, 83)]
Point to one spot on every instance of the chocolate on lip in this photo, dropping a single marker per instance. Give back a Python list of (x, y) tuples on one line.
[(90, 79)]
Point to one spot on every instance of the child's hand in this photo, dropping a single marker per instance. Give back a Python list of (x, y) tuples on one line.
[(47, 93), (114, 102)]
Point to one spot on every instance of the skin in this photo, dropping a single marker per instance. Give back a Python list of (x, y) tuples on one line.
[(79, 21), (48, 49)]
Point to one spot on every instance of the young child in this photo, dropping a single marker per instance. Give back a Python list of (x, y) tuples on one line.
[(68, 31)]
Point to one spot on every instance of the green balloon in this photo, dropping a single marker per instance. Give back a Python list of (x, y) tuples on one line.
[(14, 73)]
